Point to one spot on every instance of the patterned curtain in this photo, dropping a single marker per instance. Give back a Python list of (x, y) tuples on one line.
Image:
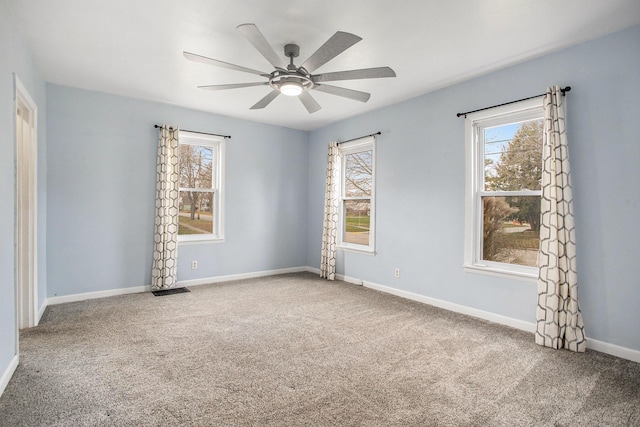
[(330, 219), (165, 238), (559, 321)]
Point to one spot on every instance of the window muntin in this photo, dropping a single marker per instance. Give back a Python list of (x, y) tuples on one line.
[(200, 187), (357, 206), (504, 166)]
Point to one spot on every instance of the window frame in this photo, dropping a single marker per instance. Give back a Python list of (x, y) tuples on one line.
[(474, 190), (217, 143), (359, 145)]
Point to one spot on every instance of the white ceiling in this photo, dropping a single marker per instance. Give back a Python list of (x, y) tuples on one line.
[(134, 47)]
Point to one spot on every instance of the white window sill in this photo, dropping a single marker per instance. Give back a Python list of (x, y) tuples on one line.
[(200, 241), (363, 250), (498, 272)]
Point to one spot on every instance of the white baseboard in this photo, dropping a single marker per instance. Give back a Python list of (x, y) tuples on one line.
[(45, 303), (593, 344), (341, 277), (348, 279), (458, 308), (241, 276), (614, 350), (183, 283), (98, 294), (8, 373)]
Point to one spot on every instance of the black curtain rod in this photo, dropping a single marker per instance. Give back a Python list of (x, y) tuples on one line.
[(563, 90), (360, 137), (204, 133)]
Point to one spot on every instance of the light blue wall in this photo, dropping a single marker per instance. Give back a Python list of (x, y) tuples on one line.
[(101, 175), (420, 187), (15, 58)]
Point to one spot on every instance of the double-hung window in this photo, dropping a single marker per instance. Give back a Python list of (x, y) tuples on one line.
[(503, 189), (201, 196), (357, 189)]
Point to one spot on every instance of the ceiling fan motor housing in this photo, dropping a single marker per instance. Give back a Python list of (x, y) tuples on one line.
[(291, 50)]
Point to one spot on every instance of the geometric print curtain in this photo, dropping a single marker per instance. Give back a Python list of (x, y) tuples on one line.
[(165, 237), (559, 321), (330, 218)]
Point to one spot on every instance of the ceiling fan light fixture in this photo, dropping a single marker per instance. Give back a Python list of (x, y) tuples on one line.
[(290, 83), (291, 88)]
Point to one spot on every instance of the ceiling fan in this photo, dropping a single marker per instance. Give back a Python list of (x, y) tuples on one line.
[(291, 80)]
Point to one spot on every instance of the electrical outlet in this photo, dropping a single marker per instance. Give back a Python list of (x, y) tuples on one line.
[(396, 273), (194, 265)]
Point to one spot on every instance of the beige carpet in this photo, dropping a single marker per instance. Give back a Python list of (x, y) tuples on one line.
[(295, 350)]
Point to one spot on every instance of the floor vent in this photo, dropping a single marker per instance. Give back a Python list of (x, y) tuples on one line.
[(164, 292)]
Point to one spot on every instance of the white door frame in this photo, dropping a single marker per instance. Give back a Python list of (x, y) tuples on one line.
[(26, 199)]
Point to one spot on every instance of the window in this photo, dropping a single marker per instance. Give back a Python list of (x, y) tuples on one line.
[(357, 204), (503, 189), (201, 200)]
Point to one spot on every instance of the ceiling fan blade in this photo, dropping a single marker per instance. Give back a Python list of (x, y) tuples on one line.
[(356, 95), (338, 43), (366, 73), (210, 61), (266, 100), (231, 86), (255, 37), (309, 102)]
